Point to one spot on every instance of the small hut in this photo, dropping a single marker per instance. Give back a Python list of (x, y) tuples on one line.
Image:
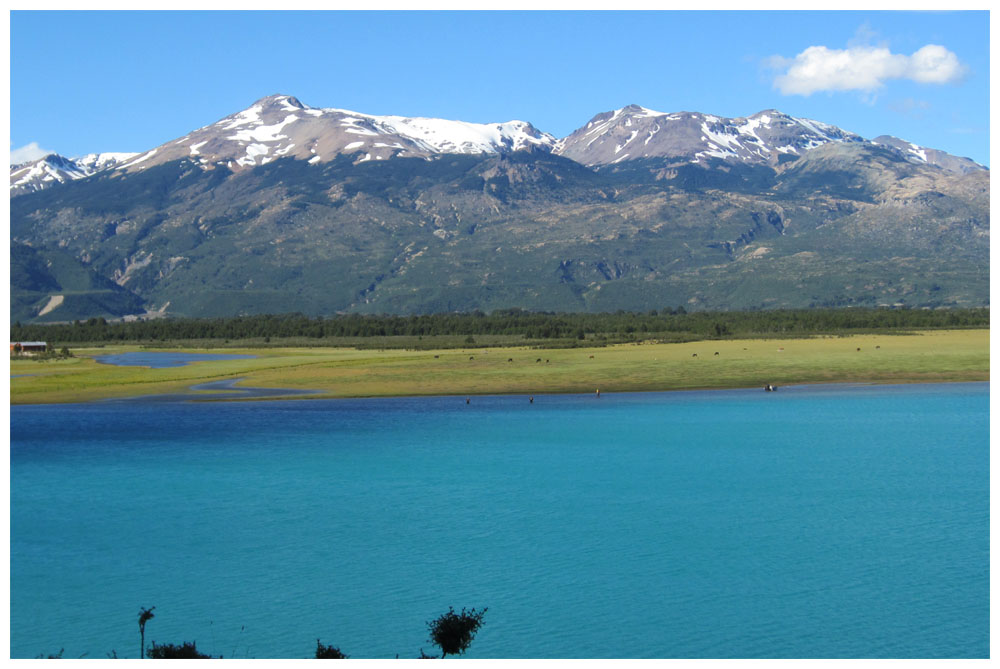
[(27, 347)]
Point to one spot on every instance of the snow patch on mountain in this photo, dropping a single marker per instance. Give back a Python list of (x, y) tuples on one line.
[(254, 150), (146, 156), (443, 136), (251, 115), (263, 133), (99, 161)]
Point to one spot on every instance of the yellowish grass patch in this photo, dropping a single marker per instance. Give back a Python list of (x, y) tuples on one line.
[(956, 355)]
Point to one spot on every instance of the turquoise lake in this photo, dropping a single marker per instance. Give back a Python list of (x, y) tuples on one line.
[(817, 521)]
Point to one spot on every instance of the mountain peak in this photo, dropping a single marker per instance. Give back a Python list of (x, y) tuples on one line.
[(281, 101), (637, 132), (633, 109), (56, 160)]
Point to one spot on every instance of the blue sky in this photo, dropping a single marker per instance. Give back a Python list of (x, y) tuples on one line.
[(84, 82)]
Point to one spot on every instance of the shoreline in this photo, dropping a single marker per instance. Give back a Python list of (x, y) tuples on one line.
[(260, 394)]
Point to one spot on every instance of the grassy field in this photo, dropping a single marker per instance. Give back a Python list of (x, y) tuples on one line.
[(956, 355)]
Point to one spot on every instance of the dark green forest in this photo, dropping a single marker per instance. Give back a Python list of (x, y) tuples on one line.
[(510, 326)]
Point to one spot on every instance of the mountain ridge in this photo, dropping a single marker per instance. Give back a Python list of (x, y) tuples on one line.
[(845, 222), (281, 125)]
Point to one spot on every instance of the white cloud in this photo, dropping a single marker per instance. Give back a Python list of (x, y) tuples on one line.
[(28, 152), (863, 68), (934, 64)]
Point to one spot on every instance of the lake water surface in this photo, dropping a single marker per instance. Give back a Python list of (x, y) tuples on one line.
[(163, 359), (838, 521)]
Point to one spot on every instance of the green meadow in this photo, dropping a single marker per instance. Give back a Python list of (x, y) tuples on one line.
[(930, 356)]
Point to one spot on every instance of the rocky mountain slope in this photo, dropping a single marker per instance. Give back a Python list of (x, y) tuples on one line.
[(287, 208)]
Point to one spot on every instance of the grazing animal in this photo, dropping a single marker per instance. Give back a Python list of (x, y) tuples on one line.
[(546, 360), (694, 355), (472, 357), (591, 357), (436, 357), (859, 348), (716, 353), (510, 359), (877, 347), (539, 360)]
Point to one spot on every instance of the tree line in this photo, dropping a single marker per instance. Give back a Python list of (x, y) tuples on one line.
[(669, 323)]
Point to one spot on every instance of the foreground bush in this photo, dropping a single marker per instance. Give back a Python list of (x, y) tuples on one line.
[(454, 632), (168, 651), (328, 652)]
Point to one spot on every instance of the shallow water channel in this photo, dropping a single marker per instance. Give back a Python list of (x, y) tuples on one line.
[(161, 360)]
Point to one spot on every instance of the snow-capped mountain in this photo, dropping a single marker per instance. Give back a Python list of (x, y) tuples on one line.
[(279, 126), (930, 156), (54, 169), (634, 132), (356, 213)]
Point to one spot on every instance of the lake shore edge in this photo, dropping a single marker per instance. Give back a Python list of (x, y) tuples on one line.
[(256, 394), (314, 395)]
